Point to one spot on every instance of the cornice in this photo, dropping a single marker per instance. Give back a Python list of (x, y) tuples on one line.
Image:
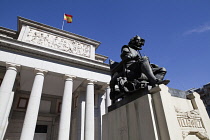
[(8, 32), (101, 57)]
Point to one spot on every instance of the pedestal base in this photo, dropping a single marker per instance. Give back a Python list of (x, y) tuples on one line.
[(158, 116), (129, 98)]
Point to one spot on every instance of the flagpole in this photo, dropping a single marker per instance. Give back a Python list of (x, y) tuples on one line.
[(62, 24), (63, 21)]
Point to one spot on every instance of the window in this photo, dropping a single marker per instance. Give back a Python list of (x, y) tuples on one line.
[(40, 132), (22, 103), (41, 129)]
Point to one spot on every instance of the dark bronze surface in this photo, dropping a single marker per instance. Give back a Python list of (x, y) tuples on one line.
[(134, 72)]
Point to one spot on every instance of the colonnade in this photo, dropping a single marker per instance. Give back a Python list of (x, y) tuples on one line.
[(31, 116)]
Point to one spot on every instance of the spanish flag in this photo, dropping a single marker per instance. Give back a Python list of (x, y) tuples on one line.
[(68, 18)]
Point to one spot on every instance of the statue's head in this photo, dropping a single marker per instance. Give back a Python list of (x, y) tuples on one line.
[(136, 42)]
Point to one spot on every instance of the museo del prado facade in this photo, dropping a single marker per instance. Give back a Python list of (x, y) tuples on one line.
[(53, 84)]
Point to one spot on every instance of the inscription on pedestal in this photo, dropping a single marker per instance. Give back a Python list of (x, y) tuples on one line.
[(191, 124), (186, 122), (52, 41), (189, 119)]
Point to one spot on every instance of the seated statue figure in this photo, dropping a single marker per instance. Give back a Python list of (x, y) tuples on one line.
[(134, 72)]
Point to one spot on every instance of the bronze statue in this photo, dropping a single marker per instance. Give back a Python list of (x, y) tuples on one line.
[(134, 72)]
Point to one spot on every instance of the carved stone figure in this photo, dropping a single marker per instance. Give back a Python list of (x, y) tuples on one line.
[(134, 72)]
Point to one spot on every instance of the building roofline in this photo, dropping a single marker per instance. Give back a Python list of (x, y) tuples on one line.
[(24, 21)]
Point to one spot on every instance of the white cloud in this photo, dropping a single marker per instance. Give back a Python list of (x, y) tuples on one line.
[(200, 29)]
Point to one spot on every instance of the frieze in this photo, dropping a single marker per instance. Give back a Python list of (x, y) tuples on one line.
[(57, 42)]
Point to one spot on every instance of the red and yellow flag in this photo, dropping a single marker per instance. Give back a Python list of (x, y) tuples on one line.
[(68, 18)]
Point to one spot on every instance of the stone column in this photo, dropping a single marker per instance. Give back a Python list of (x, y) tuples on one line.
[(65, 118), (5, 92), (30, 120), (108, 100), (89, 111)]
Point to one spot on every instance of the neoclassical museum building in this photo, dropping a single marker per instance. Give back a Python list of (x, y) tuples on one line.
[(53, 84)]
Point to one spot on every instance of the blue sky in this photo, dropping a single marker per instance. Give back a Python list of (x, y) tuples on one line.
[(177, 32)]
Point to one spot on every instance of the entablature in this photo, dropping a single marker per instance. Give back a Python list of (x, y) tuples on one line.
[(45, 53)]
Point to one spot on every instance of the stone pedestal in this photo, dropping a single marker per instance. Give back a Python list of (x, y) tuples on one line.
[(160, 115)]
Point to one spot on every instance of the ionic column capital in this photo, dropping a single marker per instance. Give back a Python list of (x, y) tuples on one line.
[(68, 77), (12, 66), (91, 81), (40, 72)]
